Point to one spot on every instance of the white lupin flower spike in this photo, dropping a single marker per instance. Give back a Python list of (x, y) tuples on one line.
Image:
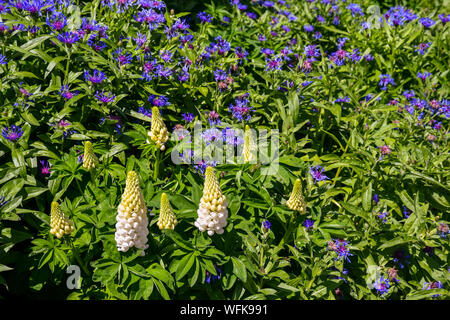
[(212, 211), (60, 224), (167, 219), (132, 220), (296, 200), (158, 131)]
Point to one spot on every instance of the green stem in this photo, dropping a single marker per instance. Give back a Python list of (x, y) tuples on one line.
[(77, 257)]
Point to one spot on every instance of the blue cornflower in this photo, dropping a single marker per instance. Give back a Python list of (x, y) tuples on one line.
[(267, 51), (188, 117), (375, 198), (95, 43), (383, 216), (317, 35), (166, 55), (149, 69), (103, 98), (355, 9), (13, 133), (427, 22), (401, 258), (66, 94), (443, 230), (422, 48), (56, 21), (345, 99), (204, 17), (312, 51), (316, 173), (212, 135), (308, 28), (385, 80), (241, 109), (274, 64), (409, 94), (241, 54), (262, 37), (97, 76), (231, 138), (68, 37), (423, 75), (382, 285), (308, 224), (3, 59), (210, 277), (3, 201), (220, 75), (433, 285), (159, 101), (145, 112), (151, 17), (406, 212), (341, 248), (267, 224), (444, 18), (122, 57)]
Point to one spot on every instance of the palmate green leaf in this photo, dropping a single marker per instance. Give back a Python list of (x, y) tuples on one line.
[(185, 265)]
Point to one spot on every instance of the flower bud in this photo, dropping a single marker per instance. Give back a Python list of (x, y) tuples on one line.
[(158, 132), (60, 224), (296, 201), (167, 219), (90, 160)]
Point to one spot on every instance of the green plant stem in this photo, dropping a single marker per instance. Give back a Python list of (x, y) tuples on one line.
[(156, 169), (77, 257)]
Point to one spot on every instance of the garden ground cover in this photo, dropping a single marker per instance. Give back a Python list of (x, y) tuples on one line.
[(103, 102)]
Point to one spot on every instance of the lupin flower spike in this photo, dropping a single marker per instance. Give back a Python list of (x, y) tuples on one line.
[(60, 224), (249, 146), (90, 160), (296, 201), (132, 220), (212, 211), (158, 132), (167, 219)]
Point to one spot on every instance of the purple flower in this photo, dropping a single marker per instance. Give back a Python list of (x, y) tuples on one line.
[(406, 212), (308, 224), (220, 75), (3, 59), (383, 216), (241, 109), (122, 57), (444, 18), (103, 98), (422, 48), (68, 37), (312, 51), (273, 64), (97, 76), (95, 43), (145, 112), (45, 170), (204, 17), (152, 18), (267, 224), (355, 9), (423, 75), (159, 101), (212, 135), (433, 285), (66, 94), (375, 198), (401, 258), (427, 22), (3, 201), (382, 285), (339, 57), (385, 80), (212, 278), (13, 133), (166, 55), (443, 230), (341, 248), (308, 28), (57, 21), (316, 173), (262, 37), (188, 117)]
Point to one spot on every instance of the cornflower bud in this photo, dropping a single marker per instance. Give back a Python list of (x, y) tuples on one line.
[(60, 224), (158, 132), (212, 211), (90, 160), (167, 219), (296, 201), (132, 221)]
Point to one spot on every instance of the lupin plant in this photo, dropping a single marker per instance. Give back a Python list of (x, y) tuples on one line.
[(60, 224), (296, 201), (158, 132), (167, 219), (212, 211), (132, 220), (90, 160)]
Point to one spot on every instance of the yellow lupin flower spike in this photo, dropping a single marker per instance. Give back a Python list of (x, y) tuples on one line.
[(167, 219), (158, 132), (90, 160), (212, 211), (296, 201), (249, 145), (132, 220), (60, 224)]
